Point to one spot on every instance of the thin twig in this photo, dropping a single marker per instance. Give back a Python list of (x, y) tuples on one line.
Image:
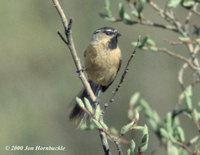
[(111, 100), (179, 57), (70, 44)]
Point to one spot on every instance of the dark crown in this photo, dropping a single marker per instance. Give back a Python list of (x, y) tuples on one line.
[(107, 30)]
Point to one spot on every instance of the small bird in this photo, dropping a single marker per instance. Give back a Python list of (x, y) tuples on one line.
[(102, 60)]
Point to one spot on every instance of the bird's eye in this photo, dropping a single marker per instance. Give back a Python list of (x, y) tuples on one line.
[(109, 33)]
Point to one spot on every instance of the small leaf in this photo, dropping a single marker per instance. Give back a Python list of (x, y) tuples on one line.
[(85, 127), (198, 40), (144, 140), (184, 39), (108, 7), (150, 42), (80, 103), (114, 131), (132, 147), (156, 117), (140, 6), (188, 4), (135, 13), (88, 105), (164, 133), (196, 115), (121, 10), (104, 125), (188, 114), (144, 40), (134, 99), (134, 43), (105, 16), (128, 152), (153, 125), (127, 19), (181, 134), (144, 104), (169, 122), (173, 150), (98, 112), (137, 115), (188, 95), (98, 125), (141, 128), (153, 49), (174, 3), (127, 127)]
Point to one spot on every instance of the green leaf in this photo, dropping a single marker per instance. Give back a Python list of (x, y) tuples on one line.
[(169, 122), (85, 127), (98, 125), (184, 39), (196, 115), (114, 131), (121, 10), (174, 3), (134, 99), (198, 40), (108, 7), (105, 16), (140, 128), (135, 13), (181, 134), (128, 152), (150, 42), (144, 140), (127, 19), (153, 49), (137, 115), (104, 125), (156, 117), (164, 133), (144, 104), (188, 114), (134, 43), (125, 128), (188, 95), (153, 125), (140, 5), (88, 105), (132, 147), (188, 4), (144, 40), (98, 112), (80, 103), (173, 150)]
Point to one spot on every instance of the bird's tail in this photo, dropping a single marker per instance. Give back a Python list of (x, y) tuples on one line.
[(77, 113)]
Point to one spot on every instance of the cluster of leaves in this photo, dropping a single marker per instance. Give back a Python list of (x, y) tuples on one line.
[(169, 130), (112, 133)]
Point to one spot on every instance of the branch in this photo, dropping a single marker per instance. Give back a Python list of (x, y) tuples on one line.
[(70, 44), (180, 57)]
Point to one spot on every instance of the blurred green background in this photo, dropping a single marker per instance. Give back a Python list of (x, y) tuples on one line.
[(38, 79)]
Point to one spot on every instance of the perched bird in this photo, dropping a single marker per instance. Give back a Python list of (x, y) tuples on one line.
[(102, 63)]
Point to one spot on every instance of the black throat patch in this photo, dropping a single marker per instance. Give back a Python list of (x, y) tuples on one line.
[(113, 43)]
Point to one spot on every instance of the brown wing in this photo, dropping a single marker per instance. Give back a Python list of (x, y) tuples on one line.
[(106, 87)]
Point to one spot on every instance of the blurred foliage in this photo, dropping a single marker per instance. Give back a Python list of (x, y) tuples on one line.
[(170, 133)]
